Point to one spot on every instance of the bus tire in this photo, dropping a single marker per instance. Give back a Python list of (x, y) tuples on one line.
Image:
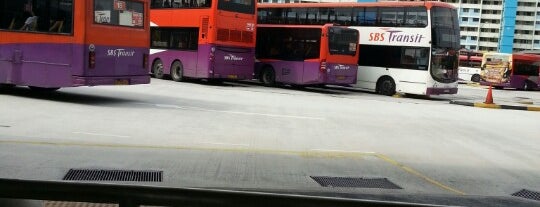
[(268, 76), (475, 78), (528, 86), (42, 89), (177, 71), (386, 86), (6, 86), (157, 69)]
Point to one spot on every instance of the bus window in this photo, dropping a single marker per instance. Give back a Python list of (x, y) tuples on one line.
[(313, 15), (366, 16), (526, 68), (262, 15), (344, 16), (323, 15), (342, 42), (389, 16), (288, 44), (416, 17), (177, 39), (121, 13), (291, 16), (54, 16), (275, 16), (415, 58), (301, 15), (241, 6)]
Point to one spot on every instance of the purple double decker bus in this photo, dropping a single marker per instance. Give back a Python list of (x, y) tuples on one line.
[(50, 44)]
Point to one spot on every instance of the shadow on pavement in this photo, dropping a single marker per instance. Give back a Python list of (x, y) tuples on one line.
[(66, 97)]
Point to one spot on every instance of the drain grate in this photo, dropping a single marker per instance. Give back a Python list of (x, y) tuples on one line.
[(351, 182), (114, 175), (524, 193)]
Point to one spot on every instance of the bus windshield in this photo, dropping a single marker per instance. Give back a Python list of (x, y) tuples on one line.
[(445, 40), (240, 6), (120, 13), (445, 28), (342, 41)]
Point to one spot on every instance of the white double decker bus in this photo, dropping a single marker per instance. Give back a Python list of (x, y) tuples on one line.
[(405, 47)]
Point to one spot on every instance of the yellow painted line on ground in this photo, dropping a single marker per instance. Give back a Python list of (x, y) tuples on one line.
[(418, 174), (533, 108), (311, 153), (483, 105), (308, 153), (526, 102)]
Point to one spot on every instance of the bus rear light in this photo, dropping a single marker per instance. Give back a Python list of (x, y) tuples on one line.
[(145, 61), (92, 59), (323, 65)]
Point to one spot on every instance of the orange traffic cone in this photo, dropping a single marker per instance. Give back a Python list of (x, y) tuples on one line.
[(489, 96)]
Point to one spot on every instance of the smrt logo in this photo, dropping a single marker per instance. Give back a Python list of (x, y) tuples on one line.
[(232, 57), (120, 53)]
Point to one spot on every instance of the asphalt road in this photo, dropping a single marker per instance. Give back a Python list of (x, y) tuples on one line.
[(243, 135)]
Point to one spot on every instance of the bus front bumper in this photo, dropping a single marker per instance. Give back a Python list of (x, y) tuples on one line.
[(439, 91)]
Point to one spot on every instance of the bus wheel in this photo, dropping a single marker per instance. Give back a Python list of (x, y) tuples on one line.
[(475, 78), (157, 69), (527, 86), (177, 71), (6, 86), (387, 87), (268, 77), (41, 89)]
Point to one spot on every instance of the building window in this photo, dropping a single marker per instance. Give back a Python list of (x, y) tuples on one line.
[(473, 47), (463, 37), (464, 19), (476, 10), (474, 38), (476, 19), (465, 9)]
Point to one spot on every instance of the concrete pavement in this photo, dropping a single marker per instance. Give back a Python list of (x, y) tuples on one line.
[(272, 137)]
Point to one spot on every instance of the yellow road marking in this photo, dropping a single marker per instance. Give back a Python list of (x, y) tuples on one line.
[(533, 108), (416, 173), (309, 153), (483, 105)]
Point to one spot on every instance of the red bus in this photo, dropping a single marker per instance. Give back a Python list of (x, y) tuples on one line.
[(518, 70), (49, 44), (306, 54), (205, 39)]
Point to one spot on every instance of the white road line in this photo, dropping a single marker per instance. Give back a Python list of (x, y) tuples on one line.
[(101, 135), (343, 151), (222, 143), (233, 112)]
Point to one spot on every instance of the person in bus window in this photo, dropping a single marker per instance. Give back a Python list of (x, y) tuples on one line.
[(30, 23), (57, 22), (167, 4)]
